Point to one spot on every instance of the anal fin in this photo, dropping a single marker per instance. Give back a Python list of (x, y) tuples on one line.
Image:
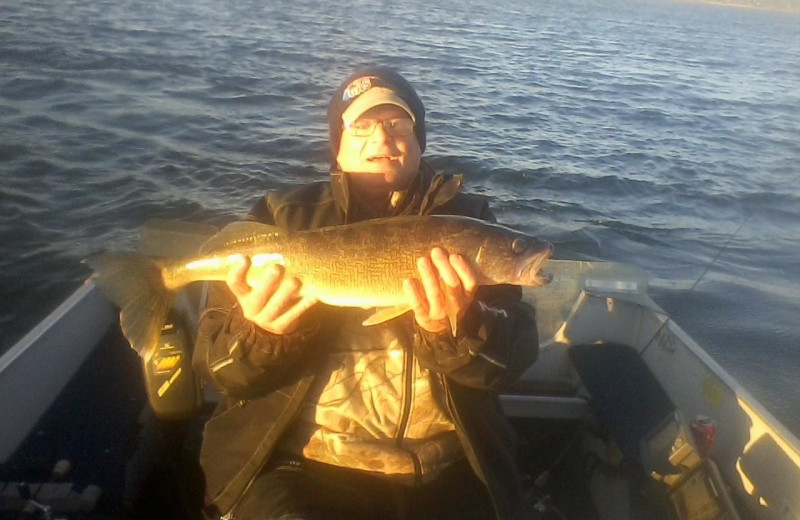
[(385, 314)]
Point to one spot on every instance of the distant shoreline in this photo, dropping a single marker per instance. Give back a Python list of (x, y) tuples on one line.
[(724, 3)]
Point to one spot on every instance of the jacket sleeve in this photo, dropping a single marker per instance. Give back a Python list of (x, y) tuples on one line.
[(239, 358), (243, 361), (496, 340)]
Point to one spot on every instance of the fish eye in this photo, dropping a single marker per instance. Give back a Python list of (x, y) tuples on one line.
[(519, 246)]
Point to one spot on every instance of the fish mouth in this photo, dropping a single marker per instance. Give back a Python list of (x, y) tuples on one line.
[(531, 272)]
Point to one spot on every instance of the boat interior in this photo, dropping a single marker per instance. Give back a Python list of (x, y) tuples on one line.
[(623, 416)]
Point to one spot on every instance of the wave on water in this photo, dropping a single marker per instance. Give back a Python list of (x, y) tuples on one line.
[(645, 133)]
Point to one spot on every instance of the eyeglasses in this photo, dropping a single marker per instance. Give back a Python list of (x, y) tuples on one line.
[(398, 126)]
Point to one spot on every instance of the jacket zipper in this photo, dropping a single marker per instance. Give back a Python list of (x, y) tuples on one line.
[(405, 417), (408, 389)]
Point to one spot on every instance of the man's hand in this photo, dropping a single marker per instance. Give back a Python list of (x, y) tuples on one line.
[(446, 288), (274, 303)]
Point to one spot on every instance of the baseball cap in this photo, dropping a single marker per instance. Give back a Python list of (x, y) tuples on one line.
[(369, 87)]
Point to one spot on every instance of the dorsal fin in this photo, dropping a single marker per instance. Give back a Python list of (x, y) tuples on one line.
[(238, 233)]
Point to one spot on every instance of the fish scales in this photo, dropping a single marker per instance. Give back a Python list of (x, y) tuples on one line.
[(355, 265), (360, 265)]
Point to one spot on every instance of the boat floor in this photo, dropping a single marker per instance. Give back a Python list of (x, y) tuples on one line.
[(147, 468), (100, 424)]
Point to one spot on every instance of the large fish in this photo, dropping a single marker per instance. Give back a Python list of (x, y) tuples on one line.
[(356, 265)]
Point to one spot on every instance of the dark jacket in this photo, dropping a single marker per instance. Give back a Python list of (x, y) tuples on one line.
[(265, 378)]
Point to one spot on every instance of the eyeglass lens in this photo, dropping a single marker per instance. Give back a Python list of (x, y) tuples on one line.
[(396, 126)]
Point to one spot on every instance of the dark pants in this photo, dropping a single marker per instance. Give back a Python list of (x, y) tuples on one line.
[(294, 489)]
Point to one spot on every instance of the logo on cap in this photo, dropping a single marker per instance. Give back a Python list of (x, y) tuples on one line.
[(357, 87)]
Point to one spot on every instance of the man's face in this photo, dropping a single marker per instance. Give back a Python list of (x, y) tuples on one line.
[(380, 161)]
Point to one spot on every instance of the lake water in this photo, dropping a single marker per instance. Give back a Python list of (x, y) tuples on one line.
[(665, 135)]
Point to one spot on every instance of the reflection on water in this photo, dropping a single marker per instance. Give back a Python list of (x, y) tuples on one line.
[(637, 132)]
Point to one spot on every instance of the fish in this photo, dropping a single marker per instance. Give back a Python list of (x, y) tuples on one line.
[(353, 265)]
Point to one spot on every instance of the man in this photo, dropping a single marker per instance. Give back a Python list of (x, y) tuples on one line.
[(325, 418)]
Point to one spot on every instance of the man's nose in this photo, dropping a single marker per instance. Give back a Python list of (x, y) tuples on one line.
[(382, 142), (380, 134)]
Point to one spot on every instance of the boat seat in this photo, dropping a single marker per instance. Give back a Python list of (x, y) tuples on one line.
[(540, 399), (629, 399), (544, 406)]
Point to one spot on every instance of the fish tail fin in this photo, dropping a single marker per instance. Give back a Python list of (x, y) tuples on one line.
[(135, 284)]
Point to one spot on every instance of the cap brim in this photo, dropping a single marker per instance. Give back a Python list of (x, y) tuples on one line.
[(372, 98)]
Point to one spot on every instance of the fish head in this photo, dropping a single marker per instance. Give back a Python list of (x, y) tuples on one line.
[(507, 256)]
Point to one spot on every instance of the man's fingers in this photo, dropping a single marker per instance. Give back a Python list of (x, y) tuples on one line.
[(280, 300), (459, 281), (446, 272), (418, 301), (273, 302), (261, 292), (452, 285), (465, 272), (287, 322), (236, 280), (433, 292), (415, 297)]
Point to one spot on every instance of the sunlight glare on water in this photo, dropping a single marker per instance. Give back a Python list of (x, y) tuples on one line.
[(640, 132)]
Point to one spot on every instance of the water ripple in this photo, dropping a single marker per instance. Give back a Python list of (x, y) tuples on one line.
[(636, 132)]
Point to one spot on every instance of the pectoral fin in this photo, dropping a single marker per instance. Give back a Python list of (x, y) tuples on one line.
[(452, 316), (385, 314)]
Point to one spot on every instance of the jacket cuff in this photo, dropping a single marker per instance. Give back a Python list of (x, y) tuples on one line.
[(242, 341), (472, 332), (242, 359)]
